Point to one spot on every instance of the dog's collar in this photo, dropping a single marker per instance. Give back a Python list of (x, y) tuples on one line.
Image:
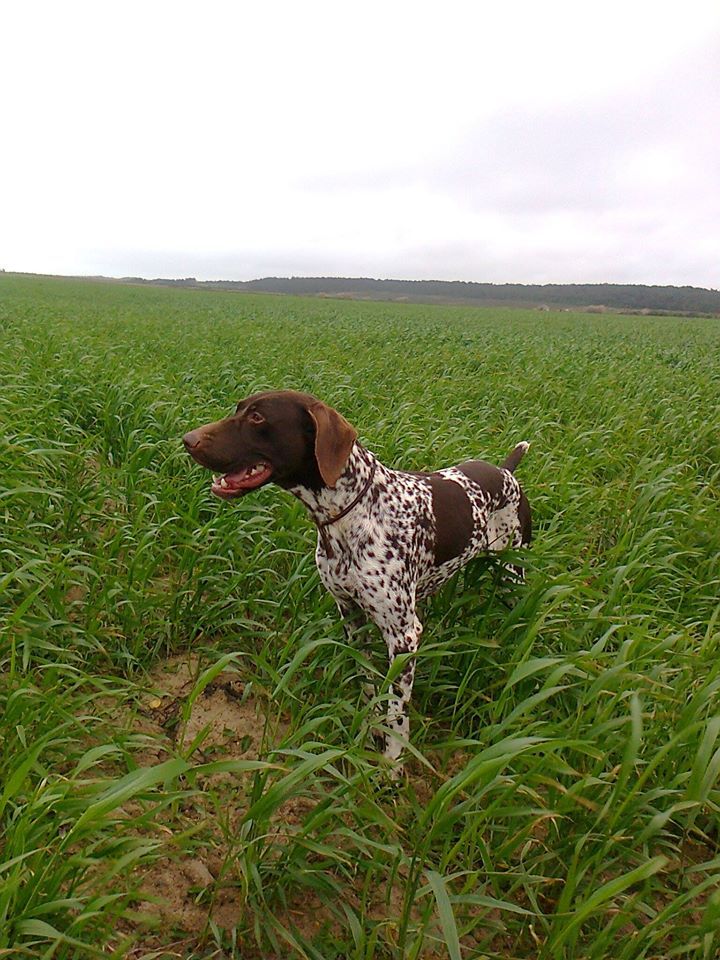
[(323, 524)]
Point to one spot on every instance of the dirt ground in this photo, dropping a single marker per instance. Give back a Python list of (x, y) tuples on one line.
[(191, 883)]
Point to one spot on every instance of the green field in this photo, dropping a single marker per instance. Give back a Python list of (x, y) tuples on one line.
[(185, 761)]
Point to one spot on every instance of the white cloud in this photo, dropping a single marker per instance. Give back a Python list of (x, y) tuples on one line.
[(526, 141)]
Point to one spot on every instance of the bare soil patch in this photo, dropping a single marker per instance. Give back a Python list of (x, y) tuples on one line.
[(190, 885), (182, 891)]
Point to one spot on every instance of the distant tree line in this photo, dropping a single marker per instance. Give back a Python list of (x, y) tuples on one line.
[(614, 296)]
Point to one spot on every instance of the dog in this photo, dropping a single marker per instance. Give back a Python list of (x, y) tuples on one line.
[(386, 538)]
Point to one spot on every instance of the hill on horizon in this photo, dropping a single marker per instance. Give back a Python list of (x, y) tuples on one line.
[(595, 297), (610, 296)]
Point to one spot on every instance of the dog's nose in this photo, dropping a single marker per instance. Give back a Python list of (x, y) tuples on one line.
[(192, 439)]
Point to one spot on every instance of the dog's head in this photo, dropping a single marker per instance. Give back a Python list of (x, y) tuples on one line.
[(282, 436)]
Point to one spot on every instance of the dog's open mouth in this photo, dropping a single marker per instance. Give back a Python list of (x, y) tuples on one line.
[(240, 482)]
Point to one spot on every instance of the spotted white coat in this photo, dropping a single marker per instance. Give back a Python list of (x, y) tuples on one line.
[(381, 558)]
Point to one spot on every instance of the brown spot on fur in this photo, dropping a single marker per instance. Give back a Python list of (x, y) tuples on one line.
[(453, 518), (485, 475), (525, 518)]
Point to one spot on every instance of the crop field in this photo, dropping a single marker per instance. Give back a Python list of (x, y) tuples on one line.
[(186, 761)]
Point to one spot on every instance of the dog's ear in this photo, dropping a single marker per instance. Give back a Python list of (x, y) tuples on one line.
[(334, 439)]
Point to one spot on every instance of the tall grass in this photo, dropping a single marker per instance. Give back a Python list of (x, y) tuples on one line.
[(562, 799)]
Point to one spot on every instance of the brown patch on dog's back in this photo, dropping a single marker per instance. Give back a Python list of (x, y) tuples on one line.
[(453, 518), (485, 475)]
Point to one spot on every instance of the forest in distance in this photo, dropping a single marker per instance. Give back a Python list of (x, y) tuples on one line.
[(585, 297)]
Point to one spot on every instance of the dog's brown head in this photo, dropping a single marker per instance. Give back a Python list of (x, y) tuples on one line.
[(282, 436)]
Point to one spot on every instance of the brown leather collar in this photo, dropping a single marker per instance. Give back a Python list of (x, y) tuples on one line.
[(322, 524)]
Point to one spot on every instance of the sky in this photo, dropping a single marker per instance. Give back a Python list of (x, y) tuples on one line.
[(538, 142)]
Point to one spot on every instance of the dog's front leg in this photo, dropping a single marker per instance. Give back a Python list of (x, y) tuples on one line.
[(402, 637), (354, 619), (352, 616)]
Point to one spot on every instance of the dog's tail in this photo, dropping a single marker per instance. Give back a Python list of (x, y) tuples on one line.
[(514, 458)]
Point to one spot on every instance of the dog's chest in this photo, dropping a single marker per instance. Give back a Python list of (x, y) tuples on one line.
[(383, 546)]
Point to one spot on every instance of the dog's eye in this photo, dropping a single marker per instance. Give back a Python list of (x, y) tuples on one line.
[(255, 417)]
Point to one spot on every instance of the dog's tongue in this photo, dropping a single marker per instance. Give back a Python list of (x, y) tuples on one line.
[(245, 479)]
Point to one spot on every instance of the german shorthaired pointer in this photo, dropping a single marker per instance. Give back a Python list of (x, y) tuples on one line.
[(386, 538)]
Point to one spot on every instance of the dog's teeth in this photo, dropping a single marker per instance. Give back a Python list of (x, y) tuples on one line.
[(223, 482), (216, 479)]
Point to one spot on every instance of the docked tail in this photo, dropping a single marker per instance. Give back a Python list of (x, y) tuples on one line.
[(514, 458)]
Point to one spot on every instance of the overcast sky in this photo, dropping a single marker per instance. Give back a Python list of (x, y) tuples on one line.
[(509, 142)]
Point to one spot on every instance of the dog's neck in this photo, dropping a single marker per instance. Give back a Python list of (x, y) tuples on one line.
[(327, 503)]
